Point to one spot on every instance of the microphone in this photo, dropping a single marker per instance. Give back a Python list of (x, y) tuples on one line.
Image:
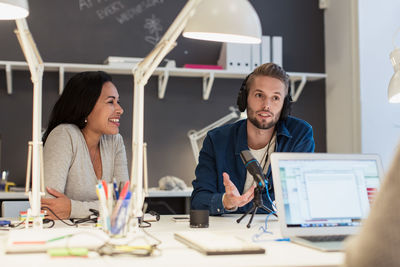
[(253, 167)]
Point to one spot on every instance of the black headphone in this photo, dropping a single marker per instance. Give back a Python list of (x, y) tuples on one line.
[(242, 100)]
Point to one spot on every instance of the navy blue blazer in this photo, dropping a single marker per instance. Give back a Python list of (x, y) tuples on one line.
[(221, 153)]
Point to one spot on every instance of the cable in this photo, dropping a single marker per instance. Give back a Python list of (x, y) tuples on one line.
[(269, 198), (91, 218), (147, 249), (264, 228), (46, 221), (153, 237), (144, 224), (107, 248), (17, 225), (47, 208)]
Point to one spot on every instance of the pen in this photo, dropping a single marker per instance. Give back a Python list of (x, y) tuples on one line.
[(124, 191), (282, 239), (121, 185), (58, 238), (105, 188), (103, 204), (120, 219), (119, 203), (40, 242), (110, 198), (115, 189)]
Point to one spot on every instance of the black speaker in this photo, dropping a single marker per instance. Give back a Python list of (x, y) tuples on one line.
[(199, 218), (242, 100)]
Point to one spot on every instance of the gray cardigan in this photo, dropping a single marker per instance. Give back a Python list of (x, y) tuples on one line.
[(69, 170), (378, 243)]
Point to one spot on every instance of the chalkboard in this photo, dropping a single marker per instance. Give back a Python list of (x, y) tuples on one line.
[(88, 31)]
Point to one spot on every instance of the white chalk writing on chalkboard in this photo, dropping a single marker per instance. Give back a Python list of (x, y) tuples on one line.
[(90, 3), (131, 13), (154, 28), (121, 11), (110, 10)]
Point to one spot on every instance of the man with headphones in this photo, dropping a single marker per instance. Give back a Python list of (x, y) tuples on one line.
[(222, 184)]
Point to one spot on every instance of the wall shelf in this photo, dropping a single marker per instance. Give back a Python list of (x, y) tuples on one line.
[(297, 79)]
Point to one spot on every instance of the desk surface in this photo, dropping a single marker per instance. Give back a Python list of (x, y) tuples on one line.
[(12, 195), (155, 192), (174, 253)]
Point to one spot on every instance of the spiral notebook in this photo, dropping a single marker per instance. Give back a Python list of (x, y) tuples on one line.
[(212, 243)]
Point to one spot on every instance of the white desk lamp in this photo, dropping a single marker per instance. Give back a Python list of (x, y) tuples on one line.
[(18, 10), (394, 85), (196, 136), (223, 21)]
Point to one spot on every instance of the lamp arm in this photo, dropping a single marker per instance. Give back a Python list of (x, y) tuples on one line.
[(29, 49), (35, 64), (201, 133), (147, 66), (142, 72), (194, 136)]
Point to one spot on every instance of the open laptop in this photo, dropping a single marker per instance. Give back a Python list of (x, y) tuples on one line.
[(322, 198)]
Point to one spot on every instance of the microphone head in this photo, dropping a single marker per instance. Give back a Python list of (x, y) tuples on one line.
[(253, 167), (246, 156)]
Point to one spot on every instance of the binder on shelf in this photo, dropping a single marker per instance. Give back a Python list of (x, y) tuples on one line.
[(277, 50), (245, 58), (265, 49), (202, 66), (235, 57), (255, 56)]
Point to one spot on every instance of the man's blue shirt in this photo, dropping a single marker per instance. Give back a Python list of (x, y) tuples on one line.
[(221, 153)]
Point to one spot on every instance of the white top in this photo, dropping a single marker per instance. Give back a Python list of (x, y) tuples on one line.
[(69, 170)]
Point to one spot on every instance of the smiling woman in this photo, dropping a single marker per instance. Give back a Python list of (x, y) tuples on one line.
[(82, 145)]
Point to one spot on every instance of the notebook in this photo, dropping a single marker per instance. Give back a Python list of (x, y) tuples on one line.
[(322, 198), (212, 243)]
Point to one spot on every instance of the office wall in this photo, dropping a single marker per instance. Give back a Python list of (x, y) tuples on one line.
[(81, 31), (358, 41), (380, 119), (342, 83)]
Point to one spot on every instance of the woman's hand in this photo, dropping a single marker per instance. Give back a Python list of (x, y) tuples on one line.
[(60, 205)]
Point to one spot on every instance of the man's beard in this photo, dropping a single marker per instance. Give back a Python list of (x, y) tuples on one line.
[(251, 116)]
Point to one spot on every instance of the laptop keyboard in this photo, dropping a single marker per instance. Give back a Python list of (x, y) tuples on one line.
[(328, 238)]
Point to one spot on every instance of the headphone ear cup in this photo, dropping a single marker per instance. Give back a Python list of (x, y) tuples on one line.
[(242, 96), (242, 99), (287, 107)]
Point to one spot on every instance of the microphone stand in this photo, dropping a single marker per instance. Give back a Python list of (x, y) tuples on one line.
[(257, 203)]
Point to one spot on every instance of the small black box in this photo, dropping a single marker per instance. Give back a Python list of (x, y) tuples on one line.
[(199, 218)]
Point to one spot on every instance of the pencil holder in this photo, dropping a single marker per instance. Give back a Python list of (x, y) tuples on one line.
[(119, 218)]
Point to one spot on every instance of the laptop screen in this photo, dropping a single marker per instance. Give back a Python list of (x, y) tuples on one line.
[(325, 193)]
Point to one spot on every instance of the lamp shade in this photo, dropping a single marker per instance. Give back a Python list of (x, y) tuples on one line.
[(13, 9), (234, 21), (394, 85)]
